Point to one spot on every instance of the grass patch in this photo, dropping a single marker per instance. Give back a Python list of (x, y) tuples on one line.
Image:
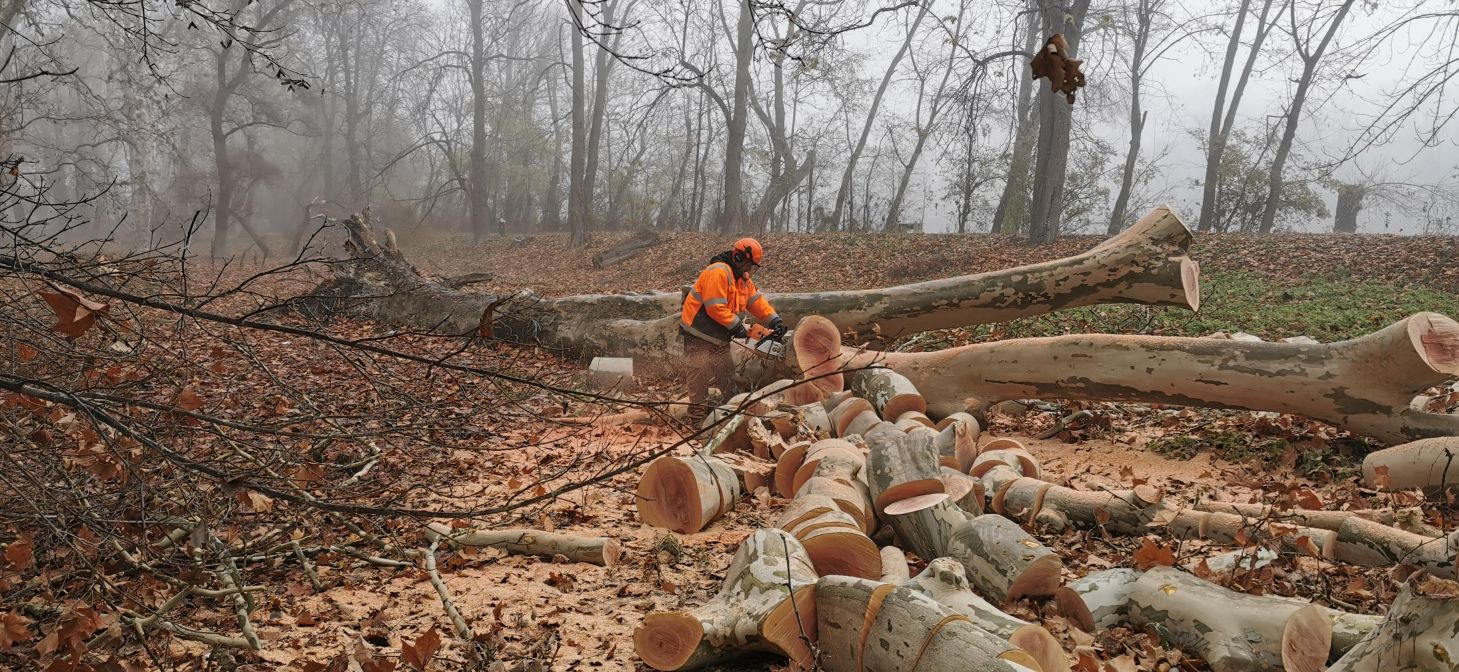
[(1337, 461), (1331, 307)]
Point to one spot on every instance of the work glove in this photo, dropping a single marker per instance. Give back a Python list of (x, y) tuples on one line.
[(777, 326), (739, 331)]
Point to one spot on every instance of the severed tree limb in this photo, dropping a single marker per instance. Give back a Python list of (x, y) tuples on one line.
[(1420, 632), (945, 581), (594, 550), (1364, 542), (1146, 264), (1364, 385), (463, 629), (1430, 464)]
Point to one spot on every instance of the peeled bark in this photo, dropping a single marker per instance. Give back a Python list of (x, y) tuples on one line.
[(1420, 632), (1364, 385), (1232, 632), (767, 603), (1427, 463), (684, 494), (1146, 264), (594, 550)]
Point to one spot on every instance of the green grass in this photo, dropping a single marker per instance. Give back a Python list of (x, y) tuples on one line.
[(1328, 308)]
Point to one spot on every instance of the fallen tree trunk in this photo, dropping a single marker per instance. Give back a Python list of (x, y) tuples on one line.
[(1370, 544), (1098, 601), (1419, 633), (1146, 264), (1230, 631), (945, 581), (767, 603), (641, 241), (1327, 520), (594, 550), (1430, 464), (1364, 385), (684, 494)]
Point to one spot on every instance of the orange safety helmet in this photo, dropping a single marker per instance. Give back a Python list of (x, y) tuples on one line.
[(748, 248)]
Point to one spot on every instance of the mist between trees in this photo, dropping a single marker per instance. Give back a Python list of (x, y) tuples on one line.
[(246, 124)]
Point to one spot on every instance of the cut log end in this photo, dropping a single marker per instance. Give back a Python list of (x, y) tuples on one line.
[(843, 553), (685, 494), (1072, 606), (1190, 281), (1435, 338), (791, 626), (667, 640), (1306, 640), (1043, 576), (1042, 647), (916, 503)]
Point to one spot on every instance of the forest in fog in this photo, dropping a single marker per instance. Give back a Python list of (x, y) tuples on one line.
[(245, 125)]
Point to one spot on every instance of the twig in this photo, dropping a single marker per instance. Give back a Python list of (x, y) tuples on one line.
[(308, 567), (463, 630)]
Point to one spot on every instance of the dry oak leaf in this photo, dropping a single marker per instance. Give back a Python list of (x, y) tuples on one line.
[(74, 313), (188, 400), (19, 555)]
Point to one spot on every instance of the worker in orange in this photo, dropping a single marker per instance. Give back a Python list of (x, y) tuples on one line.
[(713, 313)]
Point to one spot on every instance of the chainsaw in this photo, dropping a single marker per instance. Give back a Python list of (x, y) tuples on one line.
[(763, 343)]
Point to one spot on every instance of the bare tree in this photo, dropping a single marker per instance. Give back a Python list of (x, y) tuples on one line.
[(1223, 112), (1055, 117)]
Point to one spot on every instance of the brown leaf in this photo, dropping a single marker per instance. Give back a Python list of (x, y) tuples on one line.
[(1308, 499), (25, 353), (255, 501), (1125, 663), (1151, 555), (20, 553), (74, 313), (13, 628), (1101, 515), (188, 400), (419, 653), (1381, 478)]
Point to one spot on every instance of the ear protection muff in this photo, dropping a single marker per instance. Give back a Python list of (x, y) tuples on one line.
[(740, 256)]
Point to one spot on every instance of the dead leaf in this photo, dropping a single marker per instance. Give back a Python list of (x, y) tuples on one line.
[(74, 313), (254, 501), (188, 400), (419, 653), (1151, 555), (1125, 663), (19, 555), (13, 628)]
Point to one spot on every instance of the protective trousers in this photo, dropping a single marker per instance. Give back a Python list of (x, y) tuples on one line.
[(706, 363)]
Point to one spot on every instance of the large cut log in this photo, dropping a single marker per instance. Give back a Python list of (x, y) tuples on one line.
[(1100, 600), (904, 474), (817, 344), (1364, 385), (870, 625), (684, 494), (1028, 499), (852, 497), (1364, 542), (1146, 264), (1230, 631), (846, 412), (832, 538), (767, 603), (1420, 632), (1002, 561), (637, 244), (945, 581), (1430, 464), (595, 550), (890, 393)]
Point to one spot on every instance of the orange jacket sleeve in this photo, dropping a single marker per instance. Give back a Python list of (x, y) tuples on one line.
[(758, 306)]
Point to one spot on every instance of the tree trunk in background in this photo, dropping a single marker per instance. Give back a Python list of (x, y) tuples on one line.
[(551, 199), (1349, 203), (602, 67), (1213, 165), (731, 217), (1143, 17), (577, 202), (1216, 140), (1012, 210), (881, 90), (223, 208), (476, 189), (1055, 123), (923, 130), (1294, 116)]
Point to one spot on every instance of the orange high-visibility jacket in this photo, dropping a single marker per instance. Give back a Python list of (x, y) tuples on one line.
[(713, 307)]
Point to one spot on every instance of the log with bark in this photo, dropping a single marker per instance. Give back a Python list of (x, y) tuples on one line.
[(1323, 519), (906, 474), (1002, 561), (1419, 633), (945, 581), (767, 603), (1230, 631), (1364, 385), (1430, 464), (1098, 601), (890, 393), (596, 550), (684, 494), (1364, 542), (637, 244), (870, 625), (1146, 264)]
